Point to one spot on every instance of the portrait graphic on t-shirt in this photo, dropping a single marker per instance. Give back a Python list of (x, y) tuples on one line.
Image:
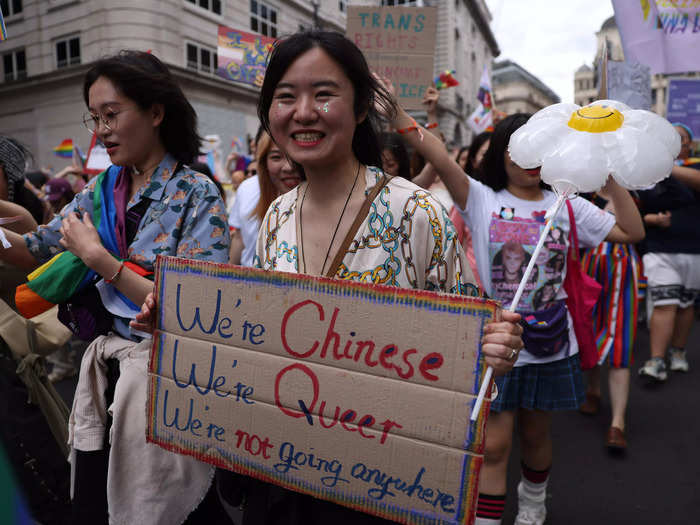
[(512, 242)]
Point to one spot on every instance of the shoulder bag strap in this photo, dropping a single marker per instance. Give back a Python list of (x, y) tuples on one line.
[(359, 219), (573, 235)]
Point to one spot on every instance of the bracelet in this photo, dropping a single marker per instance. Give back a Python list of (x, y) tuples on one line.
[(415, 127), (116, 275), (432, 125)]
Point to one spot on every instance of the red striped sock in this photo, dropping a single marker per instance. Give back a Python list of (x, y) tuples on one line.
[(491, 507), (534, 476)]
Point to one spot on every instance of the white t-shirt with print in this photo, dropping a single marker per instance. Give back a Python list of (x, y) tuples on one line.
[(505, 230), (241, 217)]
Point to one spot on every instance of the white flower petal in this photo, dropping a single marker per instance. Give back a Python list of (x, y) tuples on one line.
[(531, 142), (577, 164), (562, 110), (639, 159), (658, 127)]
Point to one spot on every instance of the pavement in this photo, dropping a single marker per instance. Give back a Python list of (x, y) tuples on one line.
[(655, 482)]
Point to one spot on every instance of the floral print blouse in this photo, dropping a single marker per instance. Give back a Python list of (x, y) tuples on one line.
[(406, 241), (186, 217)]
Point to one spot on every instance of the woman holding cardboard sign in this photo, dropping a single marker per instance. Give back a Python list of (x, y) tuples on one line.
[(348, 220)]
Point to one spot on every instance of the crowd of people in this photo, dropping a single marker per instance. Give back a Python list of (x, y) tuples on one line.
[(333, 142)]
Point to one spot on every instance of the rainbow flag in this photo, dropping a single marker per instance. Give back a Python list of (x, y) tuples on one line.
[(57, 280), (3, 31), (446, 79), (64, 149)]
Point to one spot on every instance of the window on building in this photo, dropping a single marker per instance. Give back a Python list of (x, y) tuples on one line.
[(201, 58), (210, 5), (342, 5), (11, 7), (410, 3), (68, 51), (14, 65), (263, 18), (459, 103)]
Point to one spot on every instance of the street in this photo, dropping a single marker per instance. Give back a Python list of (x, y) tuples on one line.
[(655, 481)]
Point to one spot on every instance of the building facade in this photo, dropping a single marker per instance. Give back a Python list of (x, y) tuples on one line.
[(52, 43), (609, 35), (516, 90)]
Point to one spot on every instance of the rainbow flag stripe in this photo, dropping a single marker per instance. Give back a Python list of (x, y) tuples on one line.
[(3, 30), (64, 149)]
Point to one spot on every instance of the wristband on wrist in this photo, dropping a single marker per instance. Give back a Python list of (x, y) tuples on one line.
[(414, 127), (116, 275), (432, 125)]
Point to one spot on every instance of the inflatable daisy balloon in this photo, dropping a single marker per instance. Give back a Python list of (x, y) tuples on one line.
[(578, 147)]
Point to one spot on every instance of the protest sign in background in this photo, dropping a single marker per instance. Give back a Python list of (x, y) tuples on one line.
[(398, 43), (684, 103), (663, 34), (242, 57), (354, 393), (629, 83)]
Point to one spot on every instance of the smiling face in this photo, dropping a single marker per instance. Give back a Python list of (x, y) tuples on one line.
[(518, 177), (597, 118), (312, 116), (134, 134), (282, 173), (685, 142)]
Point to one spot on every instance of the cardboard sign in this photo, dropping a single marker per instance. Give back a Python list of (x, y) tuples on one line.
[(684, 103), (354, 393), (398, 43), (242, 57)]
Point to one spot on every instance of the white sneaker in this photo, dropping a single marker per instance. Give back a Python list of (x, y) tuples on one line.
[(531, 509), (654, 368), (678, 361)]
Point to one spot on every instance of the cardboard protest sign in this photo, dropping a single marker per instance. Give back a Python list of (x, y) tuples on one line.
[(684, 103), (354, 393), (242, 57), (398, 43)]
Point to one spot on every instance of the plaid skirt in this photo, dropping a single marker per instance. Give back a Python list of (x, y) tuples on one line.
[(549, 386)]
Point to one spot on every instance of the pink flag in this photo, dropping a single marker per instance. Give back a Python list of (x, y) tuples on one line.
[(661, 34)]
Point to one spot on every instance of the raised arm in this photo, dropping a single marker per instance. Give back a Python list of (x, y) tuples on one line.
[(688, 176), (434, 152), (629, 227)]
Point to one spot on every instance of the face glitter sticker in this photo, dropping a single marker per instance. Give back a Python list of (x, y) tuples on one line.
[(325, 107)]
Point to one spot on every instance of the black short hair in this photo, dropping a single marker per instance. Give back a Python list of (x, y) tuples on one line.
[(144, 79), (393, 143), (493, 167), (365, 141), (473, 150)]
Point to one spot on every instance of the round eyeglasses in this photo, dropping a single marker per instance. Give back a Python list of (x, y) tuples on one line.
[(108, 118)]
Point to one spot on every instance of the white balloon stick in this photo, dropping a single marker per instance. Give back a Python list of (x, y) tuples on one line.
[(516, 299)]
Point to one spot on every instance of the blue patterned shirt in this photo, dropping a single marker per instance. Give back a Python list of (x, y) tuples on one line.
[(186, 218)]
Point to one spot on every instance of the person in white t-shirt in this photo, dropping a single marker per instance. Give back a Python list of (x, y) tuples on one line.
[(506, 215), (276, 176)]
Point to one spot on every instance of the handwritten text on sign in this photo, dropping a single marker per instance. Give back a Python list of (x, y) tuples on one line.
[(353, 393), (398, 43)]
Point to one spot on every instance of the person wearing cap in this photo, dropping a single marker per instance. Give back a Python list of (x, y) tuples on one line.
[(59, 193), (672, 261)]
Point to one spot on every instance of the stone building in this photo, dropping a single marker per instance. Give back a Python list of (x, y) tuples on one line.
[(52, 43), (585, 93), (516, 90)]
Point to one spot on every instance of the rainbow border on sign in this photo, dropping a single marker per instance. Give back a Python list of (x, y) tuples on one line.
[(465, 504)]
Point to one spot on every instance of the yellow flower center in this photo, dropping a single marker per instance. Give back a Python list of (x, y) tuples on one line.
[(596, 119)]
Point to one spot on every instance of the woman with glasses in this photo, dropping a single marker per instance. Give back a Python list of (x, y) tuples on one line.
[(272, 175), (101, 252)]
